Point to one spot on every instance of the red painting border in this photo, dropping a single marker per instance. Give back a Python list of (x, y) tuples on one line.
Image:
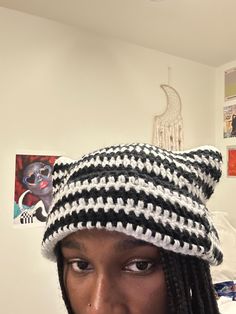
[(231, 162)]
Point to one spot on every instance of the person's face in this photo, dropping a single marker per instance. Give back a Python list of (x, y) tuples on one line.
[(111, 273), (37, 177)]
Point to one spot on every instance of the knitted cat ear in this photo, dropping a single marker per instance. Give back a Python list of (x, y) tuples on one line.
[(203, 168), (141, 190)]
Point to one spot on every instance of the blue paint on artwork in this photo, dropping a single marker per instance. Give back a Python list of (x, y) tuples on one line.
[(17, 210)]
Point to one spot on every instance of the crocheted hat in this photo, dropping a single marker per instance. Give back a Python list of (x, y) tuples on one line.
[(141, 190)]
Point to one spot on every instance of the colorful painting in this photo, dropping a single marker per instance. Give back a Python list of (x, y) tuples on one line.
[(230, 121), (232, 161), (33, 189), (226, 289)]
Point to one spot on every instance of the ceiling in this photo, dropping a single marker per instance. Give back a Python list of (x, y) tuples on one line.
[(199, 30)]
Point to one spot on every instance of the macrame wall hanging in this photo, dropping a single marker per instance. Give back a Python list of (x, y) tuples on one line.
[(168, 127)]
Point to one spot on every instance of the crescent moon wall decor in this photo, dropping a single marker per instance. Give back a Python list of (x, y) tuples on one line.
[(168, 127)]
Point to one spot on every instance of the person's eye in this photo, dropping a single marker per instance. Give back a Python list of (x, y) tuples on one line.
[(139, 266), (45, 171), (31, 179), (80, 266)]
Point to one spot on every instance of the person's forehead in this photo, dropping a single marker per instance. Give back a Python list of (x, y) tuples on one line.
[(118, 239), (34, 165)]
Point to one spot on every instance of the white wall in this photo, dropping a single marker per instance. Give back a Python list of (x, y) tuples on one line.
[(68, 91)]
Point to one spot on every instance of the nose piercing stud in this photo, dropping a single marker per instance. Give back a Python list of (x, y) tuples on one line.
[(89, 304)]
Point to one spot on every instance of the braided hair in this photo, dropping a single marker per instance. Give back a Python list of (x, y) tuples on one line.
[(188, 282)]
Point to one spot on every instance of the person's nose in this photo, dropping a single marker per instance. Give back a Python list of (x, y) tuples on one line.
[(106, 298), (38, 178)]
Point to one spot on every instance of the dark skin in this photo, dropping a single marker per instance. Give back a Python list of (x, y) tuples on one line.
[(107, 272)]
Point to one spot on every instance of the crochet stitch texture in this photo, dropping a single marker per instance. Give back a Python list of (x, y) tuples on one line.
[(141, 190)]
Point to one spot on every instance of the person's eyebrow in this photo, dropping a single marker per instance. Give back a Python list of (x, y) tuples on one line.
[(128, 244), (73, 244)]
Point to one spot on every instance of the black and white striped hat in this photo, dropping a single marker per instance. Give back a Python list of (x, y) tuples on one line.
[(141, 190)]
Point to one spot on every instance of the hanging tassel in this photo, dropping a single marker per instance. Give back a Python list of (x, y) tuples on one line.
[(168, 127)]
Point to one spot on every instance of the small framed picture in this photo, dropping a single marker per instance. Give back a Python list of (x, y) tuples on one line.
[(230, 120), (33, 189), (231, 164), (230, 84)]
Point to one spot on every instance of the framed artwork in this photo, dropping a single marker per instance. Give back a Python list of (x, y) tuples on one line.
[(231, 162), (33, 189), (230, 84), (230, 120)]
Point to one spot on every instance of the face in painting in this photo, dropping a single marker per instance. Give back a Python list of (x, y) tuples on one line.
[(111, 273), (37, 178)]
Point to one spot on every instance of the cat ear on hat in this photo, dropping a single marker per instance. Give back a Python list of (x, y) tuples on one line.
[(209, 160), (205, 162)]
